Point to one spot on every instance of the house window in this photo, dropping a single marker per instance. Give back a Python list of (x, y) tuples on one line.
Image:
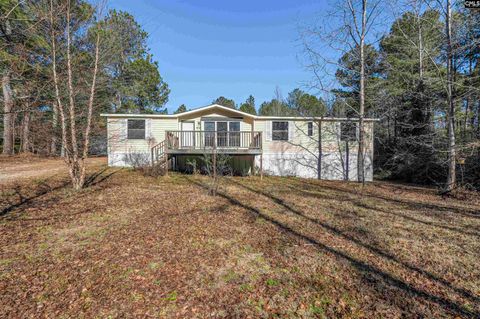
[(227, 133), (234, 126), (310, 128), (348, 131), (136, 130), (209, 133), (234, 135), (279, 131)]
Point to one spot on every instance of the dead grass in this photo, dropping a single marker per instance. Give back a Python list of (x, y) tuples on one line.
[(27, 166), (135, 246)]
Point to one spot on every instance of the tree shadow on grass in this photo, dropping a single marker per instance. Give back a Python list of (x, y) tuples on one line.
[(416, 220), (46, 187), (43, 189), (97, 178), (434, 208), (374, 271), (338, 232), (464, 230)]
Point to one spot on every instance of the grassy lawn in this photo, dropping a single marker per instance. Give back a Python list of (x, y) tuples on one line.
[(135, 246)]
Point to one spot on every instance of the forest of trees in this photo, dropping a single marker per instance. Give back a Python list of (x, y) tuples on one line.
[(40, 53), (418, 75), (63, 62), (298, 103)]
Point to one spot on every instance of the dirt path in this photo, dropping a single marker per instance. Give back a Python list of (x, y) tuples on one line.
[(34, 167)]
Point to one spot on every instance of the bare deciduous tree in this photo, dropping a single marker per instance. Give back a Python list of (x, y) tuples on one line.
[(75, 153), (8, 116), (451, 176), (215, 165), (361, 33), (357, 23)]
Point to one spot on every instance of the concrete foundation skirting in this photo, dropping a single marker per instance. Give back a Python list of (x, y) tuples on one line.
[(333, 166), (128, 159)]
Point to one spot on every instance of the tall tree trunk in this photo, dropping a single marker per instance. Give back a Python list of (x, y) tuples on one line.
[(14, 137), (469, 108), (361, 113), (26, 146), (465, 120), (346, 175), (420, 47), (64, 150), (478, 120), (8, 115), (86, 142), (451, 177), (53, 143), (71, 100), (73, 157), (119, 102), (320, 150)]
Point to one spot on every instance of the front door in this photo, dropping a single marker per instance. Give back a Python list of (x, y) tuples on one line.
[(188, 134)]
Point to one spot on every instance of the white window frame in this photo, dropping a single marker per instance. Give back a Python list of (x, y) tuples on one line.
[(351, 138), (144, 129), (310, 128), (287, 131)]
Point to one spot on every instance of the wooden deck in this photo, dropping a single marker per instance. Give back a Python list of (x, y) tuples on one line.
[(226, 142)]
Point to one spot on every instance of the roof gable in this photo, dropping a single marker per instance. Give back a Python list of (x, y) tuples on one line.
[(215, 109)]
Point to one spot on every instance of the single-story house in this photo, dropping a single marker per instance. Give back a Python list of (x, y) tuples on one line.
[(309, 147)]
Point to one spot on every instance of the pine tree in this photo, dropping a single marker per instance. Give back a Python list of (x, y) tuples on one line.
[(181, 109), (249, 106)]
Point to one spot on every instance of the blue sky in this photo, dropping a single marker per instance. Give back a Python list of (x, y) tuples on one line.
[(232, 48)]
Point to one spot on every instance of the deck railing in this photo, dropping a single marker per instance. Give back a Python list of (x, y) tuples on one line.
[(180, 140)]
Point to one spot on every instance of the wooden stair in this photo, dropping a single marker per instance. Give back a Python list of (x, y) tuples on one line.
[(159, 155)]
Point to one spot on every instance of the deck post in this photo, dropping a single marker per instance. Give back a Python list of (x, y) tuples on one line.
[(252, 169), (151, 156), (166, 162), (261, 165), (214, 159), (252, 139)]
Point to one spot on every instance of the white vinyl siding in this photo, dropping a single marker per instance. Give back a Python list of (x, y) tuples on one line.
[(298, 156), (148, 129), (122, 129), (287, 155), (154, 134), (291, 130), (299, 141), (268, 130)]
